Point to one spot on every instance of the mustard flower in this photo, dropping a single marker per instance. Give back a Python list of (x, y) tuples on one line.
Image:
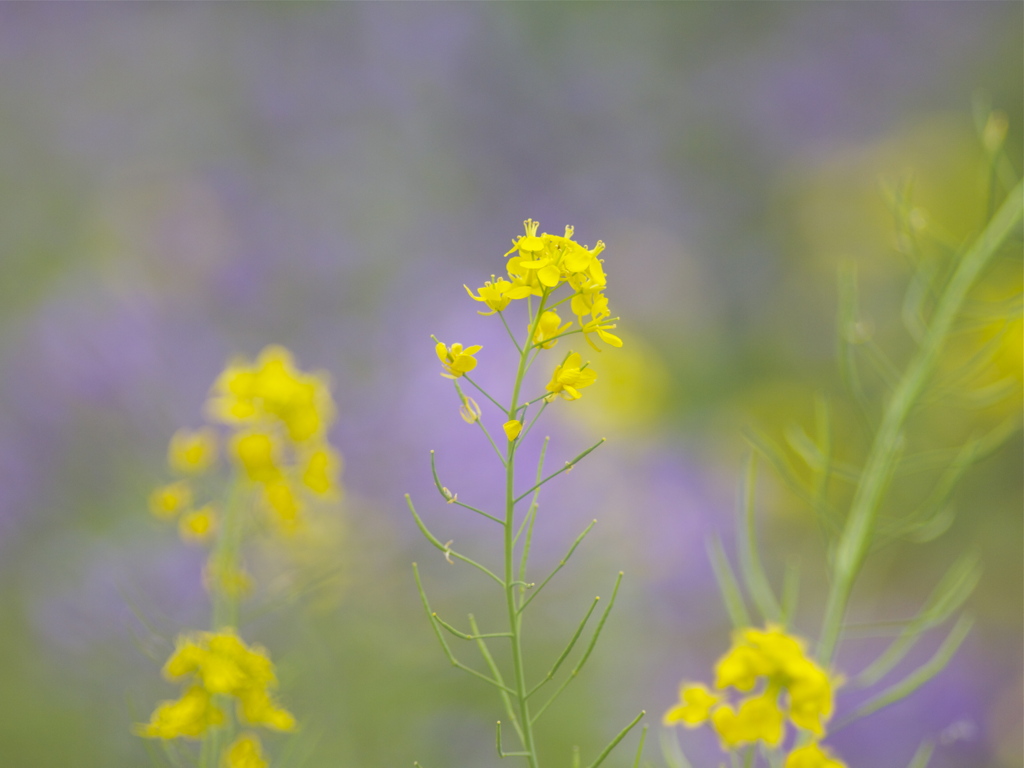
[(512, 429), (258, 454), (273, 389), (220, 663), (198, 526), (244, 752), (167, 501), (812, 756), (569, 378), (322, 467), (757, 719), (794, 688), (280, 497), (494, 293), (192, 452), (528, 244), (456, 360), (694, 707), (189, 717), (548, 327)]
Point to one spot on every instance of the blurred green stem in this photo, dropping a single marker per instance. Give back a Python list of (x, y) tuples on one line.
[(855, 538), (224, 592)]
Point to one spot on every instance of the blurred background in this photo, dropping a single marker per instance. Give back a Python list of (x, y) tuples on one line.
[(186, 182)]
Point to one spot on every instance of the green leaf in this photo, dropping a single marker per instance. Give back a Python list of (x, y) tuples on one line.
[(727, 584)]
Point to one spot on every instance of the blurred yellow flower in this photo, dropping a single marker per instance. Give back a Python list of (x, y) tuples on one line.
[(758, 719), (795, 687), (812, 756), (192, 452), (321, 470), (189, 717), (198, 525), (456, 360), (257, 454), (273, 389), (219, 663), (244, 752), (167, 501), (694, 707)]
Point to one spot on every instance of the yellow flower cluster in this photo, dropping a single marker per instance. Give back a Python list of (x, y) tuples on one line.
[(541, 264), (280, 417), (794, 687), (218, 665), (190, 454)]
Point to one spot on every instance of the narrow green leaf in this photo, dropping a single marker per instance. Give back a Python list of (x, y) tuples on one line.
[(922, 756), (950, 593), (615, 742), (918, 677), (640, 747), (751, 568), (727, 584)]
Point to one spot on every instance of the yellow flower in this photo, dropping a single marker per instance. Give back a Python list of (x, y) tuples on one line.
[(192, 452), (547, 328), (281, 498), (512, 429), (198, 525), (257, 708), (273, 388), (758, 719), (321, 470), (244, 752), (188, 717), (812, 756), (168, 500), (529, 243), (456, 360), (569, 378), (694, 707), (257, 453), (494, 293)]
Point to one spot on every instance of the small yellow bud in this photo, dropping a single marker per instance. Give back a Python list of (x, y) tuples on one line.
[(512, 429)]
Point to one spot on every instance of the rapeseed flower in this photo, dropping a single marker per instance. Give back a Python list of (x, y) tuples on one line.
[(189, 717), (494, 293), (218, 663), (192, 452), (245, 752), (694, 708), (794, 688), (168, 501), (198, 526), (570, 377), (456, 360), (812, 756), (548, 327)]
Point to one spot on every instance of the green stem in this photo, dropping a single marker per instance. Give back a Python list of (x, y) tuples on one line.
[(224, 612), (514, 615), (855, 538)]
